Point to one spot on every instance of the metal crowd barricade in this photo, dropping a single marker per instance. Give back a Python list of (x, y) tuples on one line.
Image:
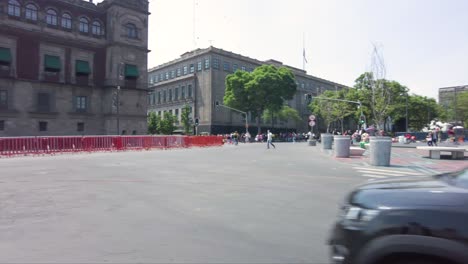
[(10, 146)]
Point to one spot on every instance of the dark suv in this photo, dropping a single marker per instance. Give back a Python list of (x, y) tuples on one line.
[(406, 220)]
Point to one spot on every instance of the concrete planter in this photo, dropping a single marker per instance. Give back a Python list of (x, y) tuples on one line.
[(327, 140), (356, 151), (342, 144), (380, 151)]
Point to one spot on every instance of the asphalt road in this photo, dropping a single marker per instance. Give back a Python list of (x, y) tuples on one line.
[(243, 204)]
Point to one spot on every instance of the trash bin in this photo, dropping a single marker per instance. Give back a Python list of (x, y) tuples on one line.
[(342, 145), (380, 151), (326, 140)]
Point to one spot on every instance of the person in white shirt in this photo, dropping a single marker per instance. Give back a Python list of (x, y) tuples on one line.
[(269, 139)]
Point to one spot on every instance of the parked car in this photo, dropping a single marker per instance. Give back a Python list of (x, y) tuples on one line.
[(417, 220)]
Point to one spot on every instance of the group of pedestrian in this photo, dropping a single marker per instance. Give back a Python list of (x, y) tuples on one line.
[(432, 137)]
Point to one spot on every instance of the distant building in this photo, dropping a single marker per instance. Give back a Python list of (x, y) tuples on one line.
[(60, 62), (197, 78), (448, 95)]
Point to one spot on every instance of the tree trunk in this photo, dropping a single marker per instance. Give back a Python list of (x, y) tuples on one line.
[(342, 121)]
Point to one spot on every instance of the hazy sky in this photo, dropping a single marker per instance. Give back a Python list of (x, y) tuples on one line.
[(424, 42)]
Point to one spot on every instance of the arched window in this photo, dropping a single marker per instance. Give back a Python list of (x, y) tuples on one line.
[(96, 28), (66, 21), (31, 12), (84, 25), (132, 31), (14, 8), (51, 17)]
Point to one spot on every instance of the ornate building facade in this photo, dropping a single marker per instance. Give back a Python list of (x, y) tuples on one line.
[(72, 67)]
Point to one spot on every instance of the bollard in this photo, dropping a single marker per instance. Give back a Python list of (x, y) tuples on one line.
[(380, 151), (326, 140), (312, 142), (342, 145)]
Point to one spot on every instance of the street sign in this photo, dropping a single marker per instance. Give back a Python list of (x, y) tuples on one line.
[(311, 117), (312, 123)]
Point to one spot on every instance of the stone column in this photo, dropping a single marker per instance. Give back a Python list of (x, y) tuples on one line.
[(342, 144), (380, 151), (326, 140)]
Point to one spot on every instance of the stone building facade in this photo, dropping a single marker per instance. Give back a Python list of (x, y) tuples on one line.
[(61, 62), (197, 78), (448, 95)]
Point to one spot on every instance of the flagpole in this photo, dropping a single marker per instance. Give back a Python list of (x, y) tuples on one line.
[(303, 51)]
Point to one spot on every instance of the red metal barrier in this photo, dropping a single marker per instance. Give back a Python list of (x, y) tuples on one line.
[(50, 145), (205, 141)]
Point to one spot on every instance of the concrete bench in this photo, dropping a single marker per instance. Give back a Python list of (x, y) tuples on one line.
[(356, 151), (434, 152)]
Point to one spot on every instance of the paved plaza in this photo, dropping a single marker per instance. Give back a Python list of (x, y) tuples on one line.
[(230, 204)]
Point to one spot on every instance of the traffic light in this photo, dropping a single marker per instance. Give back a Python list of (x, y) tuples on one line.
[(216, 103), (362, 120), (308, 97), (196, 121)]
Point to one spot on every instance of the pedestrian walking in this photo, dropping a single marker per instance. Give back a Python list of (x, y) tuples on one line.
[(429, 139), (434, 137), (236, 138), (247, 137), (270, 139)]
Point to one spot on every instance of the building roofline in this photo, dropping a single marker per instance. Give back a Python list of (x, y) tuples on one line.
[(454, 87), (198, 52)]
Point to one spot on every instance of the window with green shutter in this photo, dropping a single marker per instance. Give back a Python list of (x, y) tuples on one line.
[(5, 56), (82, 67), (52, 63), (131, 71)]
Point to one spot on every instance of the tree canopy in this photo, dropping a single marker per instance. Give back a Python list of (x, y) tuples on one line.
[(286, 113), (153, 123), (185, 118), (266, 88)]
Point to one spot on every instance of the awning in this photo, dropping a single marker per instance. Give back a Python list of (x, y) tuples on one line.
[(5, 55), (52, 62), (82, 67), (131, 71)]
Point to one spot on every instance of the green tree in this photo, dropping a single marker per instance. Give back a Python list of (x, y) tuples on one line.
[(457, 110), (185, 117), (421, 110), (341, 109), (330, 109), (152, 123), (266, 88), (378, 108), (166, 124), (324, 108), (285, 114), (288, 113)]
